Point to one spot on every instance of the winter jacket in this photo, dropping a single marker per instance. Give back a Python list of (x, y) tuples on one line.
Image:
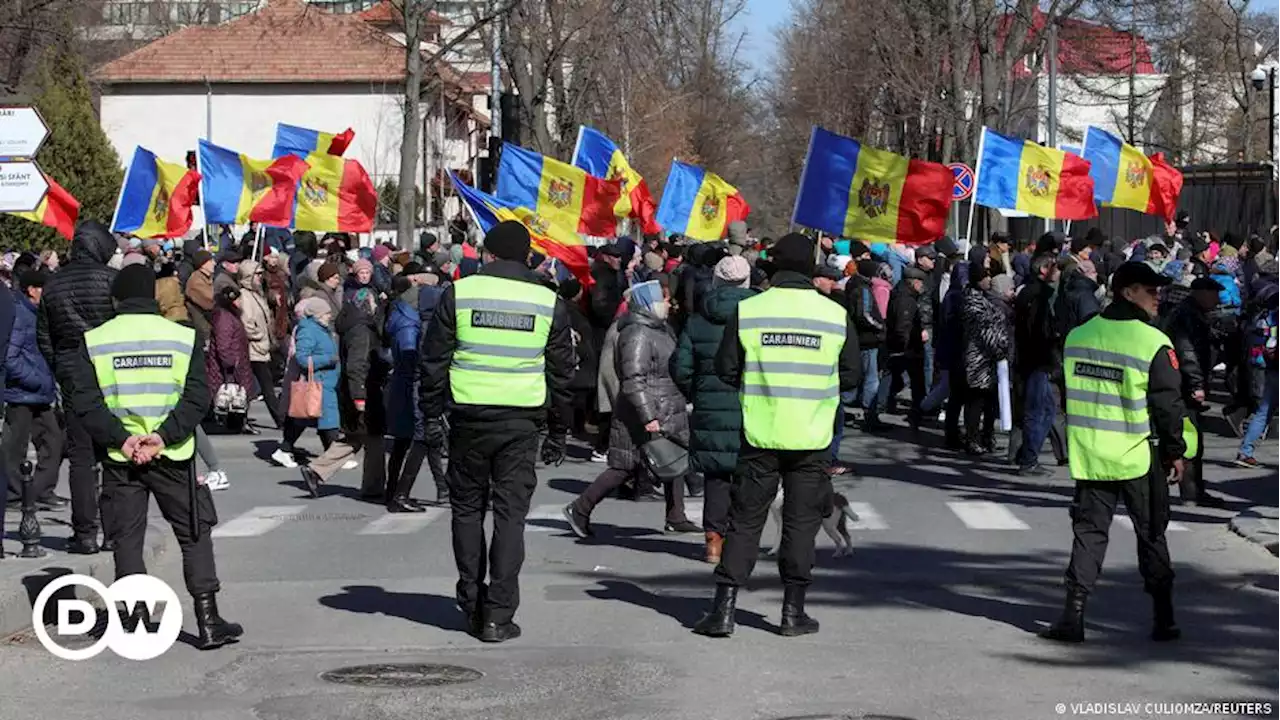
[(382, 279), (948, 342), (315, 344), (716, 420), (186, 267), (278, 299), (987, 337), (76, 300), (199, 296), (1191, 332), (255, 313), (607, 383), (863, 310), (647, 392), (436, 356), (903, 323), (584, 346), (310, 287), (1034, 333), (605, 295), (227, 357), (364, 371), (1077, 301), (169, 297), (403, 328), (28, 379)]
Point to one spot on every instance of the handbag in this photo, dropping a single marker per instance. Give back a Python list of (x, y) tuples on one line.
[(306, 397), (231, 399), (665, 458)]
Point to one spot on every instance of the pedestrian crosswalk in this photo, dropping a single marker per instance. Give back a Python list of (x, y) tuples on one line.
[(979, 515)]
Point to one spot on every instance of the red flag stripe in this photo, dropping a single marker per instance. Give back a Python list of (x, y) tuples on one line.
[(926, 200), (1075, 190)]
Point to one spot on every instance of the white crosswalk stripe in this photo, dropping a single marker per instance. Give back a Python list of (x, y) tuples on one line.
[(402, 523), (1127, 522), (693, 510), (868, 518), (546, 518), (984, 515), (259, 520)]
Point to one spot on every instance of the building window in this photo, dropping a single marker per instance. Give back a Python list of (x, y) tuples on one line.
[(124, 13), (188, 12), (238, 8), (344, 6)]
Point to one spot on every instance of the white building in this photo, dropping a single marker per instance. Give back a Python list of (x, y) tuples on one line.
[(293, 63)]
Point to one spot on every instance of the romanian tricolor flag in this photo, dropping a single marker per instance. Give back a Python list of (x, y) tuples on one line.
[(237, 189), (300, 141), (599, 156), (559, 193), (335, 195), (1017, 174), (698, 204), (156, 198), (59, 210), (548, 239), (853, 191), (1124, 177)]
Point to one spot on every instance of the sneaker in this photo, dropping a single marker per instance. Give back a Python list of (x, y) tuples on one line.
[(350, 465), (284, 458), (1034, 470), (684, 526), (579, 522), (599, 457), (1245, 461), (216, 480)]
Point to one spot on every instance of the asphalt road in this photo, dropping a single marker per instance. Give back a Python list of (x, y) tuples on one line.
[(956, 565)]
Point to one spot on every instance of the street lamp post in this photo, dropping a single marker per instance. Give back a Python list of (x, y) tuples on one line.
[(1267, 78)]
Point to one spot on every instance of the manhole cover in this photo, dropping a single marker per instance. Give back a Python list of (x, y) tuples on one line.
[(398, 675)]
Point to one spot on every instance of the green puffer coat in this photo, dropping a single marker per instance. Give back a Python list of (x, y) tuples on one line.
[(716, 421)]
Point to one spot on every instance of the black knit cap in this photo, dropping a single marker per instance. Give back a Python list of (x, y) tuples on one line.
[(134, 282), (793, 252), (508, 240)]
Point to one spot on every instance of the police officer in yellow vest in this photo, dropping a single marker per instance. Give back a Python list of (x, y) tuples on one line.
[(1124, 432), (139, 388), (790, 351), (498, 356)]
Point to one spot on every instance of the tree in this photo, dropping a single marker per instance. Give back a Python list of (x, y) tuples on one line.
[(77, 153)]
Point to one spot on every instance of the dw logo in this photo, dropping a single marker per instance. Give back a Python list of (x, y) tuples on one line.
[(144, 617)]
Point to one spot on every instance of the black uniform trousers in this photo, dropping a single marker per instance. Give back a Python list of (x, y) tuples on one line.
[(806, 487), (36, 424), (82, 476), (491, 459), (1092, 510), (126, 490)]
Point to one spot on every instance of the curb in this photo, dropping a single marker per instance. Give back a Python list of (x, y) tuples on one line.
[(1259, 524), (17, 598)]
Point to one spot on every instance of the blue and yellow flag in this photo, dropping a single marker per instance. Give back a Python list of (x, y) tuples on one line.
[(558, 192), (237, 189), (1017, 174), (1123, 176), (300, 141), (699, 204), (601, 157), (156, 197)]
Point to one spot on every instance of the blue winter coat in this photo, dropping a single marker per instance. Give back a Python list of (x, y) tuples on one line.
[(28, 378), (314, 342), (404, 419)]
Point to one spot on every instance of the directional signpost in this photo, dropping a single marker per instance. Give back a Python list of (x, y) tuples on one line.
[(22, 182)]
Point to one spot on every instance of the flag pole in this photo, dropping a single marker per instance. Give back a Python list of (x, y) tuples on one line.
[(813, 133), (257, 243), (123, 184), (973, 199), (577, 146)]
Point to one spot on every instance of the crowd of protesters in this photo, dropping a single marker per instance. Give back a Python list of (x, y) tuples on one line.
[(939, 321)]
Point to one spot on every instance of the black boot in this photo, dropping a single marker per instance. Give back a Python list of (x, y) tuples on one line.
[(213, 630), (398, 490), (719, 622), (1164, 629), (1070, 627), (439, 473), (794, 620)]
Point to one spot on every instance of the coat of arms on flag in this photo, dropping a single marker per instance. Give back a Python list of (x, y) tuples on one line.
[(1135, 174), (315, 191), (710, 207), (873, 197), (1038, 180), (560, 193)]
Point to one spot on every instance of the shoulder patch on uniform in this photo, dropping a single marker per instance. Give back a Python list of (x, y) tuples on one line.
[(800, 340), (1173, 358), (498, 320), (129, 362), (1099, 372)]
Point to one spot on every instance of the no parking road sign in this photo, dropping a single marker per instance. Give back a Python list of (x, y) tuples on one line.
[(963, 186)]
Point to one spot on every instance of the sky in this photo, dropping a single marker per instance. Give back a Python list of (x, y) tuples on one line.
[(760, 21)]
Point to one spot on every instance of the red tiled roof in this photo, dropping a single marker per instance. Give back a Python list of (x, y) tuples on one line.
[(384, 13), (286, 41), (1090, 49)]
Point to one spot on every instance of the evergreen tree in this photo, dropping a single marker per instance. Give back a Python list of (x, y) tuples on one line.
[(77, 152)]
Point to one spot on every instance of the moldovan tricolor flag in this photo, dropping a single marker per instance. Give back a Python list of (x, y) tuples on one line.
[(335, 195), (852, 191), (549, 239), (559, 193), (699, 204), (1017, 174), (1124, 177), (598, 155), (156, 197), (237, 189), (300, 141), (59, 210)]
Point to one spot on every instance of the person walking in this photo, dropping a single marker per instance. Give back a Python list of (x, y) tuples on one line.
[(30, 395), (1039, 361), (1262, 335), (148, 437), (77, 299), (259, 328), (648, 405), (405, 423), (867, 318), (905, 339), (315, 350), (791, 352), (1124, 431), (716, 420), (1190, 329), (987, 341), (499, 357)]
